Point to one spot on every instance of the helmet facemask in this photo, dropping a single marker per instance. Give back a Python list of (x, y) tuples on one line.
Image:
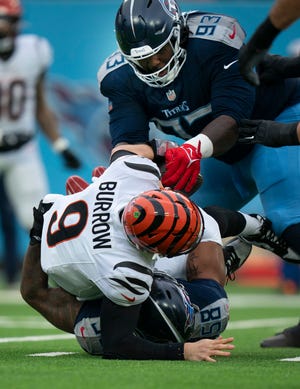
[(172, 67)]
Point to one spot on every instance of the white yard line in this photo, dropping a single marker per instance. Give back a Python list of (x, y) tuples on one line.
[(40, 338), (233, 325), (236, 299)]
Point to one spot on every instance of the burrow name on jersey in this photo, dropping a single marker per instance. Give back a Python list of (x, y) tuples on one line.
[(101, 215)]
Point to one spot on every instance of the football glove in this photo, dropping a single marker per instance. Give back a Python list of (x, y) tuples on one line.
[(182, 167), (38, 221), (274, 67), (98, 171), (75, 184), (70, 159), (268, 133)]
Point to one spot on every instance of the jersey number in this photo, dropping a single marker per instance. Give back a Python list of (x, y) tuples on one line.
[(67, 232), (12, 99)]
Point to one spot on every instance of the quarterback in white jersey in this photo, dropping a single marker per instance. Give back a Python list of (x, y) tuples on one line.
[(86, 250), (83, 246), (24, 60)]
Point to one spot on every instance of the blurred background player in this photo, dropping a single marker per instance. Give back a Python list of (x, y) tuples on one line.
[(269, 69), (24, 60), (11, 261)]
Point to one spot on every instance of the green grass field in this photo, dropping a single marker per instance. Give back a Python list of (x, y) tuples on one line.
[(27, 341)]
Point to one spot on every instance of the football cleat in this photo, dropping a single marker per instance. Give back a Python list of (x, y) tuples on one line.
[(266, 238), (236, 252), (75, 184), (289, 337)]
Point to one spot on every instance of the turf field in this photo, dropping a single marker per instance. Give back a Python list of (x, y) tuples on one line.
[(35, 355)]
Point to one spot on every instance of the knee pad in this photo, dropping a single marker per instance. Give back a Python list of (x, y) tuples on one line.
[(87, 328)]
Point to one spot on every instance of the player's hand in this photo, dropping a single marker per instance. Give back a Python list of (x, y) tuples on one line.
[(271, 69), (205, 349), (249, 58), (70, 159), (75, 184), (268, 133), (38, 221), (182, 167), (98, 171)]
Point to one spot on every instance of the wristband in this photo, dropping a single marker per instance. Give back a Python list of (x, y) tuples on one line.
[(207, 147), (60, 145), (264, 35)]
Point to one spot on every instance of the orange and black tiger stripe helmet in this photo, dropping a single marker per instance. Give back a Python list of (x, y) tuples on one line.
[(163, 222)]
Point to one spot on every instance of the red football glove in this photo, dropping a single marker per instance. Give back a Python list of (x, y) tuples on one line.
[(182, 167), (75, 184), (98, 171)]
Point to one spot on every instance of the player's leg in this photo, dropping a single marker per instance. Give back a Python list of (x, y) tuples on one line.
[(228, 186), (279, 186), (26, 182)]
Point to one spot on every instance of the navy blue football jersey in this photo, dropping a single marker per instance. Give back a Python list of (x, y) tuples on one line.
[(208, 85)]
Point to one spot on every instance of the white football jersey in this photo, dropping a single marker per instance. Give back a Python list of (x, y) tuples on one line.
[(18, 79), (84, 246)]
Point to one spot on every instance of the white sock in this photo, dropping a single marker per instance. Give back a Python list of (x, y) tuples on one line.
[(253, 225)]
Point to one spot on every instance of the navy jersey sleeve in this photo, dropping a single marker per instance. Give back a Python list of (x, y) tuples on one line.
[(129, 122), (119, 342)]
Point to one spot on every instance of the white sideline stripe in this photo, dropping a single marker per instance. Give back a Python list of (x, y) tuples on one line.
[(239, 324), (295, 359), (11, 297), (274, 322), (36, 338), (263, 301), (256, 300), (53, 354), (32, 322)]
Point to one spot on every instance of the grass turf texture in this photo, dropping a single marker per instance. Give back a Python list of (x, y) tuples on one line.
[(249, 366)]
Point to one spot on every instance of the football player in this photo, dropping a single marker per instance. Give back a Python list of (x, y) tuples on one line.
[(85, 249), (181, 72), (99, 243), (24, 60)]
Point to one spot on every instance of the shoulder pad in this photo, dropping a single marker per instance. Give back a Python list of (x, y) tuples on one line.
[(216, 27), (39, 47), (113, 62)]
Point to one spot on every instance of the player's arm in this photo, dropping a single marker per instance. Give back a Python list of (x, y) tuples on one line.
[(119, 342), (269, 133), (282, 15), (49, 125), (183, 162), (57, 306), (274, 67), (206, 261)]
